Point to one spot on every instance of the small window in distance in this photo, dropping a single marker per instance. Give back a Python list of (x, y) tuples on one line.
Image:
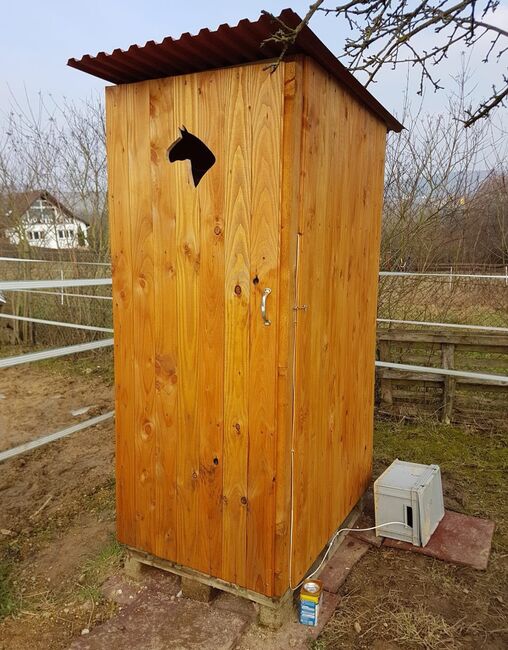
[(190, 147), (29, 234), (60, 234), (37, 235)]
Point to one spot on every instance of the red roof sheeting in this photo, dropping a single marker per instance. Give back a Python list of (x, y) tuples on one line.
[(226, 46)]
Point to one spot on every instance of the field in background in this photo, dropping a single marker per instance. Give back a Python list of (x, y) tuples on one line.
[(445, 299), (67, 305)]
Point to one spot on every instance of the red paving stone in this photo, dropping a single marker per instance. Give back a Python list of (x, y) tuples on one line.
[(340, 564), (459, 539)]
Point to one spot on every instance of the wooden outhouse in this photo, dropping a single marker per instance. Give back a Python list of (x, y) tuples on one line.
[(245, 209)]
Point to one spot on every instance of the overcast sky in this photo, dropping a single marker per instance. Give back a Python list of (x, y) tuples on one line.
[(37, 38)]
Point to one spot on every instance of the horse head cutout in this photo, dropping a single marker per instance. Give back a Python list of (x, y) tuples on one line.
[(190, 147)]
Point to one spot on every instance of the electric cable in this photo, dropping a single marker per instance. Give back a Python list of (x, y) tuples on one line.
[(330, 544)]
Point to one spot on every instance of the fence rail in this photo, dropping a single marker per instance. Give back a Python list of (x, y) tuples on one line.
[(17, 285), (57, 435), (30, 357), (445, 378)]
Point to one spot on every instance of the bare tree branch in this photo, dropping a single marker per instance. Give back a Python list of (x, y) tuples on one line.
[(388, 33)]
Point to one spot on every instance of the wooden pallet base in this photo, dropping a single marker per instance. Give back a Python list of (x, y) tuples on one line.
[(273, 612)]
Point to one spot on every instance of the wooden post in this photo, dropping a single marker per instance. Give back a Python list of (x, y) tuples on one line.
[(447, 355), (386, 384)]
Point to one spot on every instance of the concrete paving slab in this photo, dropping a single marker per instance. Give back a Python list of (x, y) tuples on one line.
[(159, 620), (236, 604), (340, 564), (459, 539)]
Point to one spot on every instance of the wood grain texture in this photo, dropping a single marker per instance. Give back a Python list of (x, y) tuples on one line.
[(211, 126), (291, 143), (341, 188), (238, 200), (264, 265), (199, 431), (143, 352), (188, 279), (210, 402), (121, 265), (162, 121)]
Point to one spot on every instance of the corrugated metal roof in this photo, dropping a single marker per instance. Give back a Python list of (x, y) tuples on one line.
[(224, 47)]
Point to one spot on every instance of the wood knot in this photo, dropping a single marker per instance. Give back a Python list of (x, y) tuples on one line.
[(147, 430), (243, 501), (238, 290), (217, 230)]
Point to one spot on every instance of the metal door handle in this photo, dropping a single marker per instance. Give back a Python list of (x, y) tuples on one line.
[(266, 293)]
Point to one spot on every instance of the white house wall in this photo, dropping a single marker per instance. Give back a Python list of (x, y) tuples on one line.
[(60, 232)]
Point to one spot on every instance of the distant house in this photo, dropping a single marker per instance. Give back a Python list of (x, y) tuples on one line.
[(40, 220)]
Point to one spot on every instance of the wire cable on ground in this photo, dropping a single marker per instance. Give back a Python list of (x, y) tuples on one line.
[(330, 544)]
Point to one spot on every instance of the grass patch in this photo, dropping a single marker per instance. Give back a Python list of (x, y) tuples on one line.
[(93, 364), (8, 602), (407, 601), (474, 464), (96, 569)]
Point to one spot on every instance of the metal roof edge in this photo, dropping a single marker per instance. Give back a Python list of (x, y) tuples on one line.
[(224, 47)]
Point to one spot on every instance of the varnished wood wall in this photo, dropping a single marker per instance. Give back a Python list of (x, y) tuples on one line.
[(195, 374), (204, 391), (341, 192)]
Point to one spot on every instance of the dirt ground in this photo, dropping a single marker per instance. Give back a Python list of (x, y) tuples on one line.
[(57, 519), (32, 406), (56, 509)]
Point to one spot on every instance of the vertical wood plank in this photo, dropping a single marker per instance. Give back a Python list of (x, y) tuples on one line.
[(211, 128), (121, 265), (144, 311), (188, 323), (163, 127), (266, 93), (291, 134), (237, 284)]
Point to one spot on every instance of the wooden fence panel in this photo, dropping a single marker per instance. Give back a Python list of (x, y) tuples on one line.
[(451, 398)]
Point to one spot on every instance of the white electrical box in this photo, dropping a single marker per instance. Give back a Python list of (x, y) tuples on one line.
[(412, 494)]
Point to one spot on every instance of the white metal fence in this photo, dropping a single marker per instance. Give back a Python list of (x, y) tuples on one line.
[(40, 286)]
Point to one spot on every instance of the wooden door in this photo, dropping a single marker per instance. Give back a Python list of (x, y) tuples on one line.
[(195, 365)]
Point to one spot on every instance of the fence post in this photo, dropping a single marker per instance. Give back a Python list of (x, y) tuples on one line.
[(447, 356), (61, 290), (385, 384)]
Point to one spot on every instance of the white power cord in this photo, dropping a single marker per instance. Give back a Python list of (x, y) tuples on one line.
[(330, 544)]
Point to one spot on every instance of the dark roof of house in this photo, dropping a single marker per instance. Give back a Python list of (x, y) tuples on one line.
[(13, 205), (226, 46)]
